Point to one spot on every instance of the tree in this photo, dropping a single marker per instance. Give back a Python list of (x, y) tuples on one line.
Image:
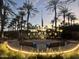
[(1, 5), (52, 22), (63, 11), (73, 17), (55, 4), (4, 7), (29, 9), (68, 16), (18, 21), (70, 1), (13, 24), (22, 14)]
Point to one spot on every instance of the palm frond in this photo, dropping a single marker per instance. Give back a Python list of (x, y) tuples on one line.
[(10, 11), (70, 1), (35, 10), (11, 2)]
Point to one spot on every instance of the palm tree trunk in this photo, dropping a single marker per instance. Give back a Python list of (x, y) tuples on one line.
[(15, 27), (71, 21), (55, 18), (28, 19), (64, 18), (2, 26), (68, 20), (2, 23), (1, 16), (21, 37), (18, 28), (21, 25), (24, 25)]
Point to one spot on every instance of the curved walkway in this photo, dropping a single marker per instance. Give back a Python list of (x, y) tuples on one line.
[(42, 53)]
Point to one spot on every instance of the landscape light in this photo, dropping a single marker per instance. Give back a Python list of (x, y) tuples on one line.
[(43, 53)]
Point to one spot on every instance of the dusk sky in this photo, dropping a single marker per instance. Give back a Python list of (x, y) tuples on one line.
[(47, 15)]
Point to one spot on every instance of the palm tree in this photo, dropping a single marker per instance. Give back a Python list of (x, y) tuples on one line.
[(63, 11), (4, 4), (73, 17), (55, 4), (18, 21), (52, 22), (68, 16), (1, 5), (29, 9), (70, 1), (22, 14), (13, 24)]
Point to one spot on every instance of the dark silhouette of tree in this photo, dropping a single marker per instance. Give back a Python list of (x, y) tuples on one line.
[(12, 24), (70, 1), (22, 14), (3, 12), (53, 4), (29, 9), (68, 16), (73, 17), (63, 11)]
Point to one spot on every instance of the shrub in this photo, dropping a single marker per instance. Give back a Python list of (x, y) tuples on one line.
[(3, 49), (32, 57), (58, 57), (74, 57)]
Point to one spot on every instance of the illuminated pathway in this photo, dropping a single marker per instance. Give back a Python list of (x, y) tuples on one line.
[(42, 53)]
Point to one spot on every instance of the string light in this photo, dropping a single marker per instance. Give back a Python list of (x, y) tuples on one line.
[(42, 53)]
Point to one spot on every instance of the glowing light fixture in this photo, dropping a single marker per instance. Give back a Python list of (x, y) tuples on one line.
[(42, 53)]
